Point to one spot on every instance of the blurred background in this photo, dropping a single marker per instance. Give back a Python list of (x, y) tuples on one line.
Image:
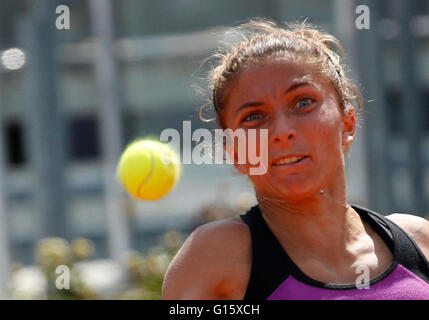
[(72, 99)]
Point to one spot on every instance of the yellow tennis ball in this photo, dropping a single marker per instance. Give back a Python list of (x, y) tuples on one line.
[(148, 169)]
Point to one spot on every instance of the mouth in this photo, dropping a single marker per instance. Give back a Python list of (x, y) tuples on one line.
[(287, 162)]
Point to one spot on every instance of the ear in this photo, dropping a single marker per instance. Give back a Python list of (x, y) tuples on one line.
[(348, 126)]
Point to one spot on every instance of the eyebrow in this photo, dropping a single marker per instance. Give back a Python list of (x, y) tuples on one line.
[(294, 86)]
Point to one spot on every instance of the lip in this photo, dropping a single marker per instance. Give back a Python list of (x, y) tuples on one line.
[(292, 166), (288, 156)]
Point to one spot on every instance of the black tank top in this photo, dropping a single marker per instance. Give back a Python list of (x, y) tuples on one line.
[(274, 276)]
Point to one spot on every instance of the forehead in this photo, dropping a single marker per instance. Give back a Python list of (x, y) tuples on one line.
[(272, 78)]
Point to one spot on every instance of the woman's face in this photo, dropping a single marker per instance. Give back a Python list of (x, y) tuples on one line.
[(299, 107)]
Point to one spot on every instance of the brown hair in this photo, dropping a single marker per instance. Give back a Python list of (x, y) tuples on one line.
[(265, 39)]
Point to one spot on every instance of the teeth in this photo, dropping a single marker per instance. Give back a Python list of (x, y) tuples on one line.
[(288, 160)]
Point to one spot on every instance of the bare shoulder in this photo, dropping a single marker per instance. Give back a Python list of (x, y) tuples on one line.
[(213, 263), (417, 227)]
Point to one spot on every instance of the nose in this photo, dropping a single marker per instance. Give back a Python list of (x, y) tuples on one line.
[(282, 129)]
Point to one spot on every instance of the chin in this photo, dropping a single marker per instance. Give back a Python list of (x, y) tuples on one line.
[(288, 190), (294, 195)]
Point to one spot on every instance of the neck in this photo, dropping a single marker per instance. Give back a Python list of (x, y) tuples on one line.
[(322, 225)]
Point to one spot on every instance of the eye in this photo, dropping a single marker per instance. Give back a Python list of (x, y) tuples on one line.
[(252, 117), (303, 103)]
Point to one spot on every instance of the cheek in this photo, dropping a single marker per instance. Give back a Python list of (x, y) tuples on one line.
[(326, 132), (247, 146), (256, 148)]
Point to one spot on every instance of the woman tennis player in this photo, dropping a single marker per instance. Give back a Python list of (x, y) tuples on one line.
[(302, 240)]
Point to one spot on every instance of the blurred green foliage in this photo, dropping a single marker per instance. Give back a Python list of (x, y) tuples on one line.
[(53, 252), (145, 272)]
